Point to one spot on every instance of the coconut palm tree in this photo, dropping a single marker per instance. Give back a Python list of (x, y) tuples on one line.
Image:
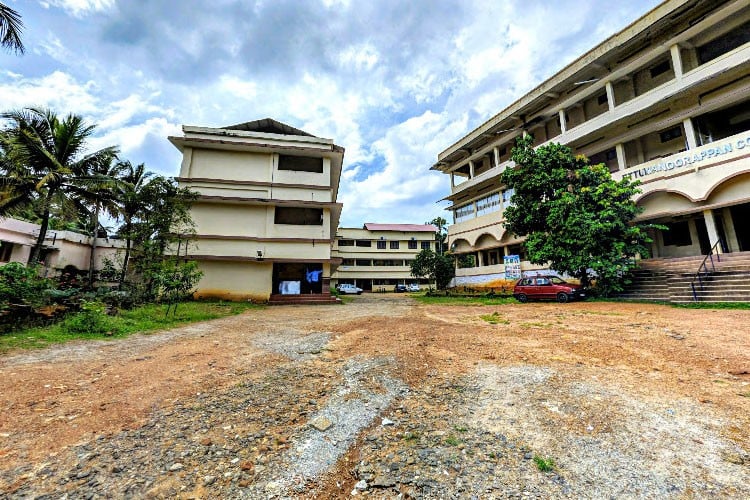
[(97, 194), (45, 161), (10, 29), (131, 205)]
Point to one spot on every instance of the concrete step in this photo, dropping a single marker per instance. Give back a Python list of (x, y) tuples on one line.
[(313, 298)]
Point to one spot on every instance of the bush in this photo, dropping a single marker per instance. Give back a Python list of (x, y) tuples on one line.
[(22, 285), (92, 320)]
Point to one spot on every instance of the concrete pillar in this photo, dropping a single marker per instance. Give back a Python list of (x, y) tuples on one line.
[(621, 161), (453, 180), (674, 50), (563, 126), (496, 153), (687, 123), (731, 234), (713, 234), (506, 250), (471, 169), (610, 95), (480, 258)]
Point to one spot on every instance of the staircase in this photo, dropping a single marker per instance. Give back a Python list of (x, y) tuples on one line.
[(669, 280), (308, 299)]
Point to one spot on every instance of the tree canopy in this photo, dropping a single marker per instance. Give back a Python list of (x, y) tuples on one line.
[(434, 266), (10, 29), (574, 215)]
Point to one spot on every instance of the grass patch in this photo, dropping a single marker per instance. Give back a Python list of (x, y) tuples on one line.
[(138, 320), (411, 437), (451, 300), (494, 318), (460, 428), (544, 464), (452, 441), (714, 305)]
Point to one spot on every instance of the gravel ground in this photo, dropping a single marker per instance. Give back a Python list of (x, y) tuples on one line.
[(383, 398)]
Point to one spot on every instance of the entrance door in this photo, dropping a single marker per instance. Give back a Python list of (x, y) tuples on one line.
[(740, 216)]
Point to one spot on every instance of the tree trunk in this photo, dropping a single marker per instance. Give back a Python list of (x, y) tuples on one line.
[(124, 270), (36, 251), (92, 257)]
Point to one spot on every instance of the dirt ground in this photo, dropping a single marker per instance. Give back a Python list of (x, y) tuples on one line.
[(630, 399)]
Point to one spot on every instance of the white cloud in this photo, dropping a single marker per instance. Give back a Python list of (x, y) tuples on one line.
[(58, 91), (80, 8)]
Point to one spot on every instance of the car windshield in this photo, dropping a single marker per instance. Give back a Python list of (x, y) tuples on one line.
[(557, 281)]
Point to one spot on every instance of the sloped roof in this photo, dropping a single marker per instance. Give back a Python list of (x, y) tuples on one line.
[(268, 126), (371, 226)]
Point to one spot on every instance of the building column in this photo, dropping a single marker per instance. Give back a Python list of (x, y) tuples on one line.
[(732, 243), (563, 125), (610, 95), (506, 251), (674, 50), (496, 153), (453, 180), (713, 234), (687, 123), (471, 169), (621, 161), (480, 259)]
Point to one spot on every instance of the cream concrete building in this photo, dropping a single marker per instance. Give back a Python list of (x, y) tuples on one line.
[(61, 249), (379, 256), (665, 101), (266, 213)]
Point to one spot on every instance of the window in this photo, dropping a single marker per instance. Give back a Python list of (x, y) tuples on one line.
[(507, 195), (412, 244), (301, 164), (364, 243), (488, 204), (725, 43), (347, 262), (394, 245), (610, 154), (678, 234), (425, 245), (670, 134), (386, 262), (6, 249), (660, 68), (346, 243), (298, 216), (602, 99), (381, 245), (364, 262), (465, 212)]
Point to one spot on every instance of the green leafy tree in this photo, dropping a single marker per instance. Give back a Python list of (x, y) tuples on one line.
[(10, 29), (22, 285), (161, 224), (574, 215), (434, 266), (44, 163)]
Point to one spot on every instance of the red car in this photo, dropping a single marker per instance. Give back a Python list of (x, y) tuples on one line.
[(547, 287)]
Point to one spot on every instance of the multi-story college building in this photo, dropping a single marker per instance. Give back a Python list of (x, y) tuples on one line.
[(665, 101), (266, 213), (378, 256)]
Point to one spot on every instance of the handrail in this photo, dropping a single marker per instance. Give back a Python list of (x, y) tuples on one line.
[(703, 268)]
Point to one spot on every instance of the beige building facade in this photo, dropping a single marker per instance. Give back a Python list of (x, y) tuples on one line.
[(665, 101), (266, 214), (61, 250), (378, 256)]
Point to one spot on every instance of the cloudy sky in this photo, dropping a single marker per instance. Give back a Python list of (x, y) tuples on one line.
[(393, 81)]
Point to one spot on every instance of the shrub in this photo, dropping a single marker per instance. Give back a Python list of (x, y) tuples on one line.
[(92, 320), (22, 285)]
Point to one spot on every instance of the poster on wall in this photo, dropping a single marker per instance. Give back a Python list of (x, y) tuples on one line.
[(512, 267)]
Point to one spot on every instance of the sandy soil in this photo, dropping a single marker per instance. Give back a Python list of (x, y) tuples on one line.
[(543, 372)]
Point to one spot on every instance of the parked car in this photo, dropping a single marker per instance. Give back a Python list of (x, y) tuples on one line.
[(400, 288), (547, 287), (346, 288), (412, 287)]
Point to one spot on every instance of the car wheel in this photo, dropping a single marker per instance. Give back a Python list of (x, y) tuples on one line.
[(562, 297), (521, 297)]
